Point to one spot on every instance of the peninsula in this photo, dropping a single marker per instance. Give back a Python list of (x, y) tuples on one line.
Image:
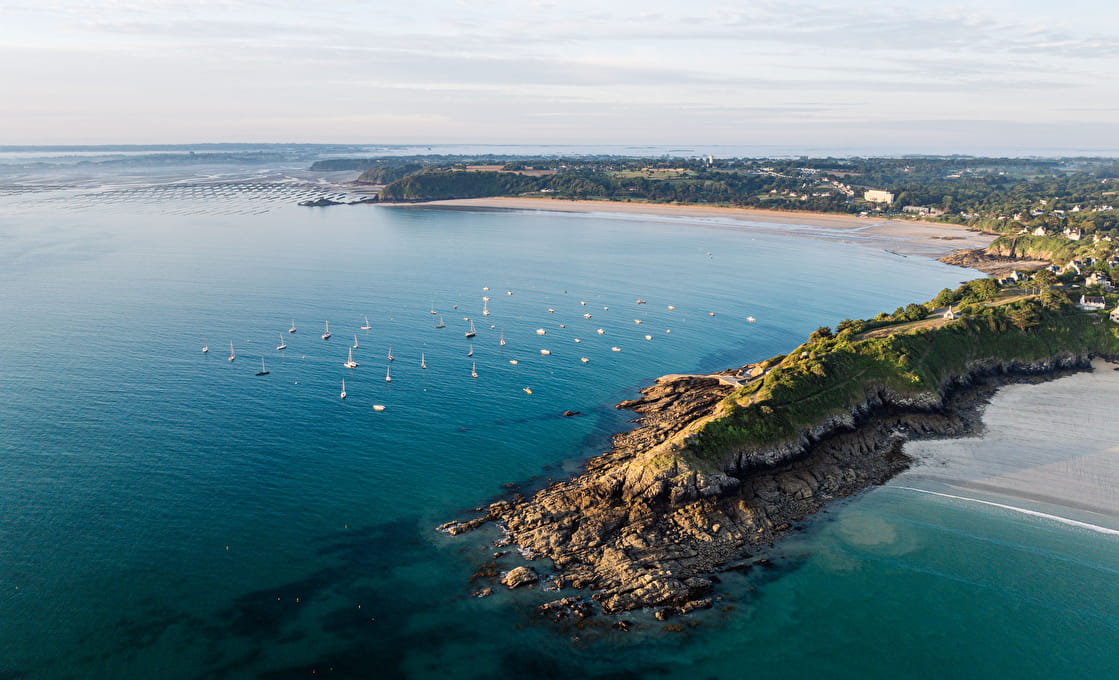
[(722, 465)]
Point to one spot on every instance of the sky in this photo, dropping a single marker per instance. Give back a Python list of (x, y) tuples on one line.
[(926, 76)]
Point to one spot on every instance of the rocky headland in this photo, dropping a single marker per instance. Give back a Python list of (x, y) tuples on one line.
[(720, 466)]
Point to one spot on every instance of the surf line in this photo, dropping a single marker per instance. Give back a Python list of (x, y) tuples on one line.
[(1024, 511)]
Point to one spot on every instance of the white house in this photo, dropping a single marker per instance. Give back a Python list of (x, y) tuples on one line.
[(1098, 279), (949, 314), (1115, 315), (1092, 302)]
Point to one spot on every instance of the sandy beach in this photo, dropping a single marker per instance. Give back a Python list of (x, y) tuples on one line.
[(1056, 444), (908, 237)]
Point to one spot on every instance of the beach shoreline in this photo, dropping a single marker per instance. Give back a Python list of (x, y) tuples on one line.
[(900, 236)]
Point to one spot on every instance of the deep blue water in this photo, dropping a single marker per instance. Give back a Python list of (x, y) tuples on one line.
[(168, 513)]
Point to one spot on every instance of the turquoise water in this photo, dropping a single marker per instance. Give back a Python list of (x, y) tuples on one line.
[(167, 513)]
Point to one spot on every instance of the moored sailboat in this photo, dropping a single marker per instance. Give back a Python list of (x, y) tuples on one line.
[(326, 331)]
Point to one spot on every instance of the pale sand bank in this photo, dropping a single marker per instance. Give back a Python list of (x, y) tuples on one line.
[(1056, 443), (906, 237)]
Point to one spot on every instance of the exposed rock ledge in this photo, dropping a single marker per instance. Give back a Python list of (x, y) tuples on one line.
[(638, 536), (996, 264)]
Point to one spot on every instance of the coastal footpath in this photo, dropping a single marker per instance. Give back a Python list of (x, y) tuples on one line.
[(720, 466)]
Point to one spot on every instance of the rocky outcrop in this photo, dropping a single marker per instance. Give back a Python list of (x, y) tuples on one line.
[(520, 576), (644, 527), (995, 260)]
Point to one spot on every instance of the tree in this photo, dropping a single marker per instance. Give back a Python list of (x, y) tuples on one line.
[(821, 333)]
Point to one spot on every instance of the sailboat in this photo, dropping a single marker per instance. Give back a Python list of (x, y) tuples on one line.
[(440, 324), (355, 342), (205, 347), (350, 363), (282, 345), (471, 352), (423, 364), (502, 342), (343, 394), (232, 354), (292, 329), (473, 369), (471, 333), (485, 309), (388, 373), (366, 326), (390, 353), (433, 312), (326, 332), (263, 370)]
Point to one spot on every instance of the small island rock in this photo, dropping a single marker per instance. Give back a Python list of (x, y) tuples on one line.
[(520, 576)]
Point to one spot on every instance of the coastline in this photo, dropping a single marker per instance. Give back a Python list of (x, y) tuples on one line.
[(906, 237), (663, 547)]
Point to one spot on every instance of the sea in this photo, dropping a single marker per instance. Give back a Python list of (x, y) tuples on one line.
[(166, 512)]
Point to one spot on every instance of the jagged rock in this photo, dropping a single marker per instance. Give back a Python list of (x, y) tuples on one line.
[(566, 608), (520, 576), (571, 413), (664, 613), (642, 529), (487, 570), (623, 625), (484, 592)]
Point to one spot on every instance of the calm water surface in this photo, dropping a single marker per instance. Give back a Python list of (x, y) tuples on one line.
[(167, 513)]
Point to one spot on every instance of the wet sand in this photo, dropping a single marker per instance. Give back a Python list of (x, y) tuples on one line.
[(902, 236), (1055, 444)]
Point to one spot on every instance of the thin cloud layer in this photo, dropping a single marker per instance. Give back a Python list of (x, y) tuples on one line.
[(572, 72)]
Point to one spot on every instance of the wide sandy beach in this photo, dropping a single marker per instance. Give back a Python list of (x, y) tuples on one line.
[(908, 237)]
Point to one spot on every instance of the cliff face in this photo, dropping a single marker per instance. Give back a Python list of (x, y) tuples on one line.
[(646, 525)]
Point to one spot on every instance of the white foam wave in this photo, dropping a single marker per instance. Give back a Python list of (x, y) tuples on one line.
[(1024, 511)]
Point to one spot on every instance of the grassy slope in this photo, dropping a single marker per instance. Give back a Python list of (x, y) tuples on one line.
[(829, 376)]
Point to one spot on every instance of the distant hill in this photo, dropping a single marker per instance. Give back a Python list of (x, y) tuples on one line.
[(443, 184)]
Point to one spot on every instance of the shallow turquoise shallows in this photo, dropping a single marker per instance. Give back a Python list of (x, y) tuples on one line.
[(168, 513)]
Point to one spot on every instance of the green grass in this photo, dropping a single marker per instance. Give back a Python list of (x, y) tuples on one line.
[(829, 376)]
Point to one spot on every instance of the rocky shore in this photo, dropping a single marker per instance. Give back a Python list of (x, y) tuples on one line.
[(994, 263), (639, 533)]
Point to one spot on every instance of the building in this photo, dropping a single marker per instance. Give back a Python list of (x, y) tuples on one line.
[(1115, 315), (1098, 279), (878, 196), (1092, 302), (949, 314)]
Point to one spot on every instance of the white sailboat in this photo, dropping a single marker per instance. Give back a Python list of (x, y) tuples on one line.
[(473, 369), (471, 333), (232, 354), (433, 312), (205, 347), (440, 324), (355, 342), (366, 326), (350, 363), (423, 364), (292, 329), (343, 394), (471, 352), (502, 341), (263, 370), (388, 373), (485, 309), (282, 345), (390, 353), (326, 331)]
